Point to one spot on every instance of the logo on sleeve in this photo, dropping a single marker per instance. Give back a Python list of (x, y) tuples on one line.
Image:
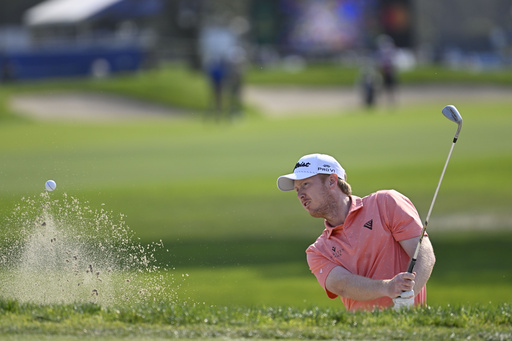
[(337, 252), (369, 224)]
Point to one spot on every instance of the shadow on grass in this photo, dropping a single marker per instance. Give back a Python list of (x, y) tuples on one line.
[(464, 253), (211, 253)]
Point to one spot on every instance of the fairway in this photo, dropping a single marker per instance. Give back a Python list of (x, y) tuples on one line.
[(231, 238)]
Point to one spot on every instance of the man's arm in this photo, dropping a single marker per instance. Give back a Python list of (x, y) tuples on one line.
[(425, 262), (343, 283)]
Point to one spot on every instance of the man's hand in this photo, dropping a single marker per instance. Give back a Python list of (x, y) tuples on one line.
[(406, 300), (404, 281)]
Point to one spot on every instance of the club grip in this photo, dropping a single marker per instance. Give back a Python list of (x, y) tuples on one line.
[(411, 265)]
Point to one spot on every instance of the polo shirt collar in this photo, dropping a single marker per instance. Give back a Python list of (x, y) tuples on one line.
[(356, 204)]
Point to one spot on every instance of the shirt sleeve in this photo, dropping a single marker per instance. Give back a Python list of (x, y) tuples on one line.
[(320, 267), (401, 216)]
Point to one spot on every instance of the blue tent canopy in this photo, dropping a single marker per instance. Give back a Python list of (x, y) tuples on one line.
[(126, 9), (62, 12)]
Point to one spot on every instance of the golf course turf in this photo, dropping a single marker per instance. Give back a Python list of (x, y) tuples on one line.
[(233, 244)]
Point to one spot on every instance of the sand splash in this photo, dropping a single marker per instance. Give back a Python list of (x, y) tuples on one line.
[(62, 251)]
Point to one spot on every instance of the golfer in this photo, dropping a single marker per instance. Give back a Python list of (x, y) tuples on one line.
[(367, 242)]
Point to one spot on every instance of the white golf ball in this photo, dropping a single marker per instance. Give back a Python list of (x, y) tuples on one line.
[(50, 185)]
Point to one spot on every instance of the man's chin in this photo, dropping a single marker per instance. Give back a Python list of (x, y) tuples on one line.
[(314, 213)]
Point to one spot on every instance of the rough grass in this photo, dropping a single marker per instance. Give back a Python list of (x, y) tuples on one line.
[(162, 320)]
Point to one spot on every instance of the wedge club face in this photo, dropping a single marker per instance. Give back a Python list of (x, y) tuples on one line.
[(451, 113)]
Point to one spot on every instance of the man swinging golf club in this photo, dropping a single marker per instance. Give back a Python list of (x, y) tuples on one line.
[(367, 242)]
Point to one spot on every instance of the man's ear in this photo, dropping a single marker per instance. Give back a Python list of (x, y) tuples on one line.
[(333, 180)]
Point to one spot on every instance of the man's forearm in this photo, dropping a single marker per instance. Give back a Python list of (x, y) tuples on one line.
[(343, 283), (424, 265)]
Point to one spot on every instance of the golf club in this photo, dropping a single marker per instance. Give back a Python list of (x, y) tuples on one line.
[(453, 115)]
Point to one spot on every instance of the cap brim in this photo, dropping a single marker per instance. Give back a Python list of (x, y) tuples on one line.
[(285, 182)]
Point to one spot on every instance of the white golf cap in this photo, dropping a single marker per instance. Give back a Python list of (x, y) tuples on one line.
[(310, 165)]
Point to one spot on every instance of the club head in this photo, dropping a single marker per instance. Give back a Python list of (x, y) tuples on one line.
[(451, 113)]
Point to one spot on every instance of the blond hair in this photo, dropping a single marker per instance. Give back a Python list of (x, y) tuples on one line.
[(342, 184)]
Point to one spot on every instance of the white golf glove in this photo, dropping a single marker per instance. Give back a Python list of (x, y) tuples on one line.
[(405, 300)]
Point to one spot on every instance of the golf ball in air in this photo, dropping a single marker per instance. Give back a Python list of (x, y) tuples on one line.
[(50, 185)]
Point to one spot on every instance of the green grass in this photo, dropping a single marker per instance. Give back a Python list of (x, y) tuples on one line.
[(177, 86), (209, 191), (339, 75), (172, 85), (163, 321), (236, 244), (160, 173), (468, 271)]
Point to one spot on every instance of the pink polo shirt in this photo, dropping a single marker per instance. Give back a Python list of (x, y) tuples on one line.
[(367, 244)]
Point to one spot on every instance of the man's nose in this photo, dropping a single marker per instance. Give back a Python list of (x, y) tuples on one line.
[(300, 194)]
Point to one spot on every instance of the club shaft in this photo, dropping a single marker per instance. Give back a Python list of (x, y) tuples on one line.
[(416, 252)]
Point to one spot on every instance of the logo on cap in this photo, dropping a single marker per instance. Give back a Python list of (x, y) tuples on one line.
[(302, 164), (327, 168)]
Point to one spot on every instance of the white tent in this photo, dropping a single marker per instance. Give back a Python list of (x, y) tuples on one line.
[(65, 11)]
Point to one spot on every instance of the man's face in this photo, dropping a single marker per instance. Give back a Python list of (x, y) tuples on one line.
[(314, 195)]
